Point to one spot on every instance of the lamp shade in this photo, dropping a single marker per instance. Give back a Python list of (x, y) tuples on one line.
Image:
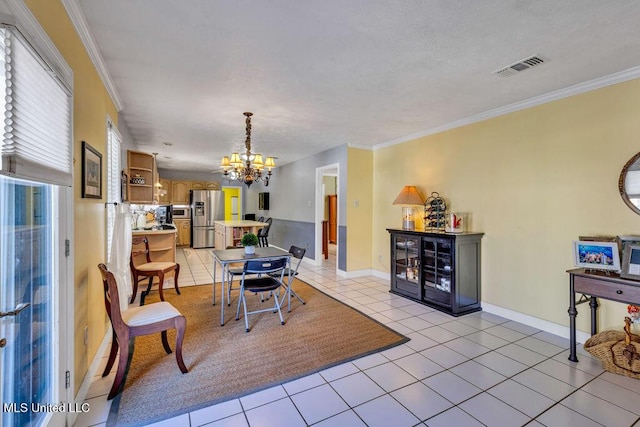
[(409, 196)]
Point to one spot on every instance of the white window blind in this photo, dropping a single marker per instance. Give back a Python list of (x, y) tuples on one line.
[(113, 180), (36, 143)]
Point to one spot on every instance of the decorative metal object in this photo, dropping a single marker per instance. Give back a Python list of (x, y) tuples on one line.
[(434, 213), (247, 167)]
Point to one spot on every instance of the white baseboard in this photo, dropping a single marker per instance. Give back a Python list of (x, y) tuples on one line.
[(535, 322)]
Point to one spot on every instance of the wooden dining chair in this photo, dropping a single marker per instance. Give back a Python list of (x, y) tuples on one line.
[(149, 269), (137, 321)]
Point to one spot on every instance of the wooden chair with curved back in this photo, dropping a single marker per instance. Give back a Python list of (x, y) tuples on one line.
[(149, 269), (145, 320)]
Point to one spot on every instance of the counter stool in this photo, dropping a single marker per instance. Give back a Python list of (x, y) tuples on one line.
[(149, 269)]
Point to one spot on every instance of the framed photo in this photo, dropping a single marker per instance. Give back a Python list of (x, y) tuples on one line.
[(596, 255), (91, 172), (631, 262), (597, 238), (623, 241)]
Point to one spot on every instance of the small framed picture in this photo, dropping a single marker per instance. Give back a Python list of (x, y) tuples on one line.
[(596, 255), (631, 262), (91, 172), (623, 241)]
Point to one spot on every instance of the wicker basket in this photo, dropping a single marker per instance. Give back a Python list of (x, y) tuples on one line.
[(619, 351)]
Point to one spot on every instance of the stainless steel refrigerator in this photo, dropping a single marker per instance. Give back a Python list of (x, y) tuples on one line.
[(207, 206)]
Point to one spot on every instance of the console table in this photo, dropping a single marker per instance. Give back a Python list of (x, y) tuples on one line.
[(594, 284)]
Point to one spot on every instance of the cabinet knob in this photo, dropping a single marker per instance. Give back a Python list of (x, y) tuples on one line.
[(619, 292)]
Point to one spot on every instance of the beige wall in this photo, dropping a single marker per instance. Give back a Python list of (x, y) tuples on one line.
[(532, 181), (359, 208), (91, 106)]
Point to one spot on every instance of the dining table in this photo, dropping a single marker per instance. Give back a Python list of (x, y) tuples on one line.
[(227, 257)]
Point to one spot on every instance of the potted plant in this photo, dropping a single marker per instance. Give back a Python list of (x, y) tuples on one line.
[(249, 241)]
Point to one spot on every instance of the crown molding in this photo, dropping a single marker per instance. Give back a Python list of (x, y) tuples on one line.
[(598, 83), (80, 23), (360, 146)]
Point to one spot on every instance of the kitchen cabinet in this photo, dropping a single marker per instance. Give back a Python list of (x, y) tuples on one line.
[(180, 192), (205, 185), (183, 229), (441, 270), (166, 185), (141, 168)]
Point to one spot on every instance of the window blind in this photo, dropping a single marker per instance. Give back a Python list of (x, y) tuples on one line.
[(36, 143), (113, 181)]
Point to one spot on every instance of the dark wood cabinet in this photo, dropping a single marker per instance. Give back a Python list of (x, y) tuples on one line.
[(333, 218), (441, 270)]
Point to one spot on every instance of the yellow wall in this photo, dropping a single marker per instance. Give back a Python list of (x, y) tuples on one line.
[(532, 181), (359, 218), (92, 104), (230, 192)]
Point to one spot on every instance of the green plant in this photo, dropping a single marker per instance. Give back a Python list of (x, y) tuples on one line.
[(249, 239)]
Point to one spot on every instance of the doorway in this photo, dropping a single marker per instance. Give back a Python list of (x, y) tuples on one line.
[(232, 204), (327, 216)]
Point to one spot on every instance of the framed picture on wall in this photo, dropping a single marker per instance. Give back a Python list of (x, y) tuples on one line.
[(596, 255), (91, 172), (631, 262)]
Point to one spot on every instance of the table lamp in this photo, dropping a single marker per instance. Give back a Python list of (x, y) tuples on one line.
[(408, 197)]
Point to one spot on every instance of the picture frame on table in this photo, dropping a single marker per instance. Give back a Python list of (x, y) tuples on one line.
[(623, 241), (596, 255), (631, 262), (91, 172)]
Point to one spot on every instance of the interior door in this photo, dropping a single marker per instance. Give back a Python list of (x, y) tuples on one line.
[(31, 376)]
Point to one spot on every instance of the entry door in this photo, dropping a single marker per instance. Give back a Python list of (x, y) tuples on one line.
[(30, 332)]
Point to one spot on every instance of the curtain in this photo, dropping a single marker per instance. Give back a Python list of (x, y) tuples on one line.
[(121, 252)]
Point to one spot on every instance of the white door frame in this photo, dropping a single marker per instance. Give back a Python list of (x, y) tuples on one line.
[(320, 171)]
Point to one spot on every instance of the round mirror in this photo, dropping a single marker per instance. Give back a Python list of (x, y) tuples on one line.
[(629, 183)]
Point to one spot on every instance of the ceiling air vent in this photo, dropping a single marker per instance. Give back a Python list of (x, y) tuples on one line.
[(523, 64)]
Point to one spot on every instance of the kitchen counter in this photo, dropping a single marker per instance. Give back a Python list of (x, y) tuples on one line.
[(153, 228), (229, 233)]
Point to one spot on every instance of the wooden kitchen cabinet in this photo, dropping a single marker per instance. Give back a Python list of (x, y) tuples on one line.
[(183, 228), (180, 192), (166, 185), (141, 177), (204, 185)]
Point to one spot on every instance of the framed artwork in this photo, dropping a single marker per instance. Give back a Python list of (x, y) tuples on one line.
[(597, 238), (596, 255), (91, 172), (631, 262)]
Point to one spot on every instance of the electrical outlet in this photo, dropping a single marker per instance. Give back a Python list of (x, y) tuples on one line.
[(86, 336)]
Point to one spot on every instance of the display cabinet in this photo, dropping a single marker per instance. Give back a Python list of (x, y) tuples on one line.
[(441, 270)]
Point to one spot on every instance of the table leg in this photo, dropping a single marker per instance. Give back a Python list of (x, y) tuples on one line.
[(214, 281), (222, 292), (573, 312), (593, 303)]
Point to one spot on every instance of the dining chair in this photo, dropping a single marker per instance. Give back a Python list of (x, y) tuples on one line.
[(260, 219), (127, 325), (149, 269), (290, 273), (263, 233), (265, 282)]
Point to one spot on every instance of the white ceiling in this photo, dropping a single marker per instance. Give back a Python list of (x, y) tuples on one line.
[(320, 74)]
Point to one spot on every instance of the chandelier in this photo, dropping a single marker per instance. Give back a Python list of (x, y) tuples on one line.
[(247, 167)]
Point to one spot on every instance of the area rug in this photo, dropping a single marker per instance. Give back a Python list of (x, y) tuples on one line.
[(227, 362)]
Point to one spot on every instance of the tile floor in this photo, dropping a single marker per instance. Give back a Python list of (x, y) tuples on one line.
[(475, 370)]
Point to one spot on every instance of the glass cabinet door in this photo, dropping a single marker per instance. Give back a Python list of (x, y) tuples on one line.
[(438, 268), (407, 258)]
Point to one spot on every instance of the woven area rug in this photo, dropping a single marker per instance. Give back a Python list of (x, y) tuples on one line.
[(227, 362)]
